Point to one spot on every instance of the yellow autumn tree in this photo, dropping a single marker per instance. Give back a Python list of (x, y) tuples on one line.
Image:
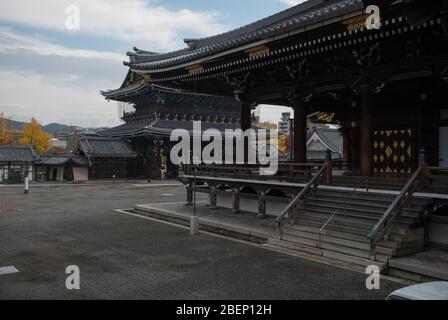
[(283, 143), (6, 131), (34, 135)]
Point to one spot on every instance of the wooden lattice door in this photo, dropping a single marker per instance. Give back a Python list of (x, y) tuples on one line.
[(394, 152)]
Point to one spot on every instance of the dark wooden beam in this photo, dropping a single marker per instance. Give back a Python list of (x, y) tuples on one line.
[(299, 106), (366, 127)]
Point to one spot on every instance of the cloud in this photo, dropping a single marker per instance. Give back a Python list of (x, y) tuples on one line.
[(273, 113), (54, 83), (292, 2), (11, 41), (137, 21), (25, 95)]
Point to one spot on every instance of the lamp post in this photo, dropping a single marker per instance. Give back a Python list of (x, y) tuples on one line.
[(26, 173)]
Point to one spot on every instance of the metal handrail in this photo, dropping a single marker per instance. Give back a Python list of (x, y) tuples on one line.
[(291, 206), (394, 210), (344, 206)]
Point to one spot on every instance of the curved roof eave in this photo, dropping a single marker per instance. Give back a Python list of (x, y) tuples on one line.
[(305, 20)]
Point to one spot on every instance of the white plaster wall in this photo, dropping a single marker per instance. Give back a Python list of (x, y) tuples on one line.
[(80, 174)]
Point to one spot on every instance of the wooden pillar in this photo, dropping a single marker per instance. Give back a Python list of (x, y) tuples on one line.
[(213, 198), (246, 123), (261, 204), (354, 154), (190, 194), (366, 127), (298, 104), (235, 201), (345, 145), (245, 115)]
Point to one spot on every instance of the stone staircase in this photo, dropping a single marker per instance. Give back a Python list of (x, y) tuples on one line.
[(344, 238)]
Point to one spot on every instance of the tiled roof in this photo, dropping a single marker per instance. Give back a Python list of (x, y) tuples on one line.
[(162, 95), (18, 154), (162, 127), (64, 160), (100, 147), (332, 138), (300, 17)]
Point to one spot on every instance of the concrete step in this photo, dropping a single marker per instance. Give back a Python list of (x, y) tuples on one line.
[(313, 240), (349, 230), (336, 247), (407, 216), (331, 255), (360, 200), (379, 197), (349, 201), (318, 258), (363, 204), (349, 220), (359, 213), (313, 233)]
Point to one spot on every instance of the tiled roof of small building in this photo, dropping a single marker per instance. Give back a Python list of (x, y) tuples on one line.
[(18, 154), (101, 147), (64, 160)]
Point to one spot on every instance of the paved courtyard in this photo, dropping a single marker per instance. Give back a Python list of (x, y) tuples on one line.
[(126, 257)]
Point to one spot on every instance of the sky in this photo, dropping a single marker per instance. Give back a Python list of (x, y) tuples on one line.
[(55, 74)]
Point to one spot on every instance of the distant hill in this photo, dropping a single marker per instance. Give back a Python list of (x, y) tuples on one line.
[(16, 124), (51, 128)]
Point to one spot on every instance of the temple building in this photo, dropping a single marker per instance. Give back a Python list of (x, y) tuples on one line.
[(384, 84), (160, 110)]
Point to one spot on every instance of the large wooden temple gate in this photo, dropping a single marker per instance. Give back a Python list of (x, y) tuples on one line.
[(386, 88), (318, 57)]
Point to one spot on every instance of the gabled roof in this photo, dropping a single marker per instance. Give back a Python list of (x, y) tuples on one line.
[(64, 161), (300, 18), (162, 127), (159, 95), (330, 138), (101, 147), (18, 154)]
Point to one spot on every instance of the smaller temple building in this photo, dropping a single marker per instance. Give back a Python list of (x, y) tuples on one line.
[(109, 158), (16, 162), (157, 111), (62, 168)]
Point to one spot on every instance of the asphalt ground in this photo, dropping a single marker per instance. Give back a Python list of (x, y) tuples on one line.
[(126, 257)]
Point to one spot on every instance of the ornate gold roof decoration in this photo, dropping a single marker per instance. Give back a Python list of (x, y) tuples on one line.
[(257, 51)]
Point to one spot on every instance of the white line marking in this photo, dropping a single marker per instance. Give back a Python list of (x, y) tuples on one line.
[(167, 194), (8, 270), (159, 203), (123, 211)]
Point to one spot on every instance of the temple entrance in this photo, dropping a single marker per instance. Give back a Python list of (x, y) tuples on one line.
[(443, 147), (393, 152)]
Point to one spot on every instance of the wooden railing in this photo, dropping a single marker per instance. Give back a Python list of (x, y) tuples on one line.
[(287, 171), (402, 200), (298, 200), (436, 180)]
